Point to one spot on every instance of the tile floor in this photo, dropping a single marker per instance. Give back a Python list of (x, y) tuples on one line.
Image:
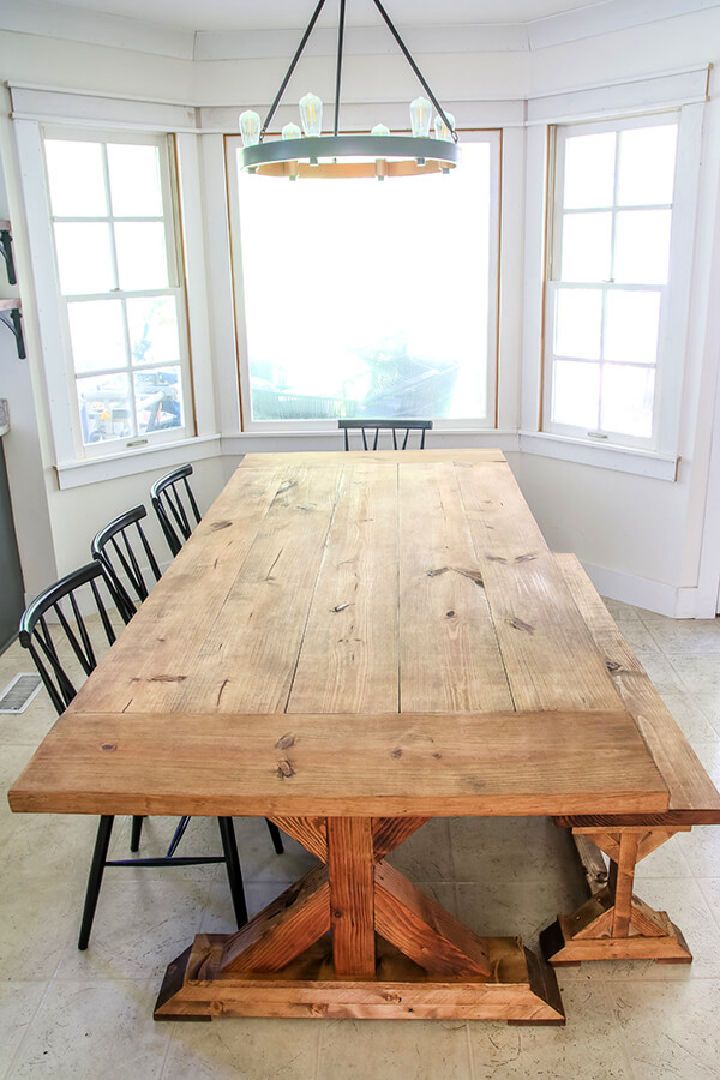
[(88, 1016)]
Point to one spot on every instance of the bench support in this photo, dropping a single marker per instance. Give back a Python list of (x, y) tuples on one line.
[(614, 924)]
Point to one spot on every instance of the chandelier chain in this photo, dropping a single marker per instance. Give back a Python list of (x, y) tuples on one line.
[(293, 64)]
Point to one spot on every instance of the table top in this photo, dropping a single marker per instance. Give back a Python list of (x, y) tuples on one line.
[(368, 633)]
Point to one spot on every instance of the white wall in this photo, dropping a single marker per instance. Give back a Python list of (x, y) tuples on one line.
[(641, 538)]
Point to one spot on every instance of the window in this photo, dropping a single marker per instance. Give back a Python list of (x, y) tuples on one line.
[(122, 303), (607, 287), (362, 298)]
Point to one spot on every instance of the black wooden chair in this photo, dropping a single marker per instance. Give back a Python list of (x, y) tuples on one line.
[(169, 495), (124, 568), (367, 426), (55, 670)]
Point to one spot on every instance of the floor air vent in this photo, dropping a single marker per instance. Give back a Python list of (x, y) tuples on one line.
[(18, 693)]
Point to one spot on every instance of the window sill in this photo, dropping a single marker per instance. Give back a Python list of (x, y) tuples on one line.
[(73, 474), (618, 458)]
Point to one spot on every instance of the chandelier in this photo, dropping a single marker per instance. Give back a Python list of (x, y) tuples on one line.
[(308, 153)]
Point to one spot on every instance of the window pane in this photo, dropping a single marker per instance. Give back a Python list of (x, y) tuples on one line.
[(141, 255), (627, 400), (576, 389), (354, 308), (97, 334), (153, 326), (589, 170), (75, 178), (84, 259), (646, 169), (586, 247), (631, 326), (642, 246), (577, 323), (105, 409), (158, 399), (135, 180)]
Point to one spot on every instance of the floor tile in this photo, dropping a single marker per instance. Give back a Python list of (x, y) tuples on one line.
[(524, 908), (669, 1030), (393, 1050), (141, 924), (94, 1031), (425, 856), (243, 1050), (19, 1002), (585, 1049), (505, 849)]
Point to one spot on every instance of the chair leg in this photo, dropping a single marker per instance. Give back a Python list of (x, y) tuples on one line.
[(137, 824), (97, 865), (177, 836), (234, 873), (276, 837)]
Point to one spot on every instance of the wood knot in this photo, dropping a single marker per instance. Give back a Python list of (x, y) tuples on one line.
[(284, 770), (215, 525), (612, 666), (518, 624), (285, 741), (340, 607), (450, 614), (109, 746), (396, 753)]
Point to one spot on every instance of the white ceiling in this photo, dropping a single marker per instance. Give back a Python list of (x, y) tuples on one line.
[(286, 14)]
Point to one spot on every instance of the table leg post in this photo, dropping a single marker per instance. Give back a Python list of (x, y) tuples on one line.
[(350, 869)]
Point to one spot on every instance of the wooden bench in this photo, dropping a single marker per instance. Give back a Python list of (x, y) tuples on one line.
[(614, 923)]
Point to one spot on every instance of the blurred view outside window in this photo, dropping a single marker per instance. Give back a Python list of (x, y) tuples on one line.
[(115, 247)]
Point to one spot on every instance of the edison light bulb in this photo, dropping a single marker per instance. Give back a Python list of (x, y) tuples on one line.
[(291, 131), (420, 117), (380, 129), (441, 129), (311, 112), (249, 127)]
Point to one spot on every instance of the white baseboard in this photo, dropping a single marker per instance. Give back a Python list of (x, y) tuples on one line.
[(677, 602)]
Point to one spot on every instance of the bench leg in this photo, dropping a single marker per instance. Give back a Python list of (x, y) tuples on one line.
[(614, 924)]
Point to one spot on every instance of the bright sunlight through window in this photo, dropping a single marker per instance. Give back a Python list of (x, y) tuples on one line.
[(372, 299)]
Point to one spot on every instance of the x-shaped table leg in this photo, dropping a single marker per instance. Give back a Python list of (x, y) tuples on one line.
[(361, 901)]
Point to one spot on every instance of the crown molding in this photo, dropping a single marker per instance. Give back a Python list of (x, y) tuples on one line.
[(66, 22)]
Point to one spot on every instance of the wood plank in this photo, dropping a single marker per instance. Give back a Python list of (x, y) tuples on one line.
[(421, 929), (413, 765), (449, 655), (350, 866), (322, 460), (349, 656), (234, 650), (154, 656), (692, 793), (592, 862), (389, 833), (549, 655), (311, 832), (520, 989), (624, 873), (282, 931)]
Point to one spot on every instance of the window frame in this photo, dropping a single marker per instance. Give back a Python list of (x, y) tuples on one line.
[(558, 135), (174, 244), (494, 138)]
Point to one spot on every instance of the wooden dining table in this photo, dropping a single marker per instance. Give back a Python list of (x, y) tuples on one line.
[(351, 644)]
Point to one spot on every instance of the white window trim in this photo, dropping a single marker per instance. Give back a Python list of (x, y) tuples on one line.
[(661, 460), (51, 305), (493, 137)]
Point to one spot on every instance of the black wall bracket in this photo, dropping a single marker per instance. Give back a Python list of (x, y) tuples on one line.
[(6, 250), (11, 316)]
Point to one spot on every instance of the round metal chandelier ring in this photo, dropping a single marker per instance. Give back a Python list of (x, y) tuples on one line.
[(349, 156)]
